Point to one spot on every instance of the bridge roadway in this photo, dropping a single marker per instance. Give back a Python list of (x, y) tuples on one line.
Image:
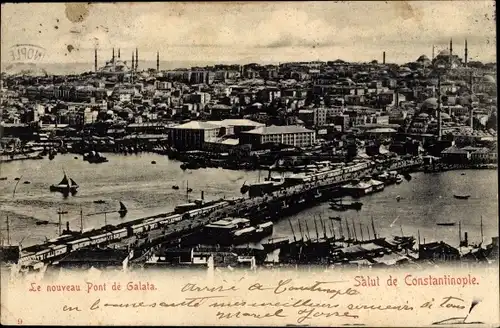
[(306, 194), (242, 207)]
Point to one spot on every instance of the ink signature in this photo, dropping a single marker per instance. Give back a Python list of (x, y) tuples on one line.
[(461, 320)]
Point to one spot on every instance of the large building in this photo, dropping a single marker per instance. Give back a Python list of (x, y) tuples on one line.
[(292, 135), (192, 135), (314, 117)]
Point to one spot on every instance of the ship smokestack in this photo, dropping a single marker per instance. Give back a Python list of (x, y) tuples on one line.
[(118, 52), (202, 195), (113, 57), (67, 226), (466, 239), (383, 58)]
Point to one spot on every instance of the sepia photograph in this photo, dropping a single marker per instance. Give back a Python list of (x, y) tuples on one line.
[(249, 163)]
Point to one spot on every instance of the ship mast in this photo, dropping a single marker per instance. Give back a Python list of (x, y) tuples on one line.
[(316, 228), (307, 230), (361, 231), (354, 229), (293, 232), (482, 230), (373, 228), (460, 233), (81, 219), (300, 230), (324, 228), (8, 231), (60, 217), (348, 230)]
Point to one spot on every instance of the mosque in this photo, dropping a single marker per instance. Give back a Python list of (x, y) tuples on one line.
[(445, 58), (116, 67)]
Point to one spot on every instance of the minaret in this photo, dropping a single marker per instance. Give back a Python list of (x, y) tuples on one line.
[(95, 59), (136, 58), (466, 53), (118, 52), (157, 61), (451, 52)]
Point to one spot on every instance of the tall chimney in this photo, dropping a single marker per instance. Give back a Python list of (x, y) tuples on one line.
[(118, 52), (95, 59), (383, 58), (157, 61), (466, 53), (136, 58)]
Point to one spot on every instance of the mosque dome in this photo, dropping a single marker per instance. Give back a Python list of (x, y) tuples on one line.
[(444, 52), (488, 79), (423, 59), (445, 116), (430, 103)]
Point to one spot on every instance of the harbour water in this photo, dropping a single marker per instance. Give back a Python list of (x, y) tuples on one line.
[(146, 189)]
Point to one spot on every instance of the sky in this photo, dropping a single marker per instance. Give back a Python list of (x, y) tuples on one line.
[(239, 32)]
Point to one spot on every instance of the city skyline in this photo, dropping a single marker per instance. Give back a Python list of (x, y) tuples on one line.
[(252, 32)]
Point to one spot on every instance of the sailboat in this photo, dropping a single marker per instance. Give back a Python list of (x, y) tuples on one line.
[(123, 210), (67, 185)]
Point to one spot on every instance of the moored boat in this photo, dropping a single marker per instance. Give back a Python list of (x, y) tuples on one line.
[(358, 188), (274, 243), (461, 196), (339, 205)]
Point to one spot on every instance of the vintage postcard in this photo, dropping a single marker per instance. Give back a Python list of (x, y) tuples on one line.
[(249, 164)]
